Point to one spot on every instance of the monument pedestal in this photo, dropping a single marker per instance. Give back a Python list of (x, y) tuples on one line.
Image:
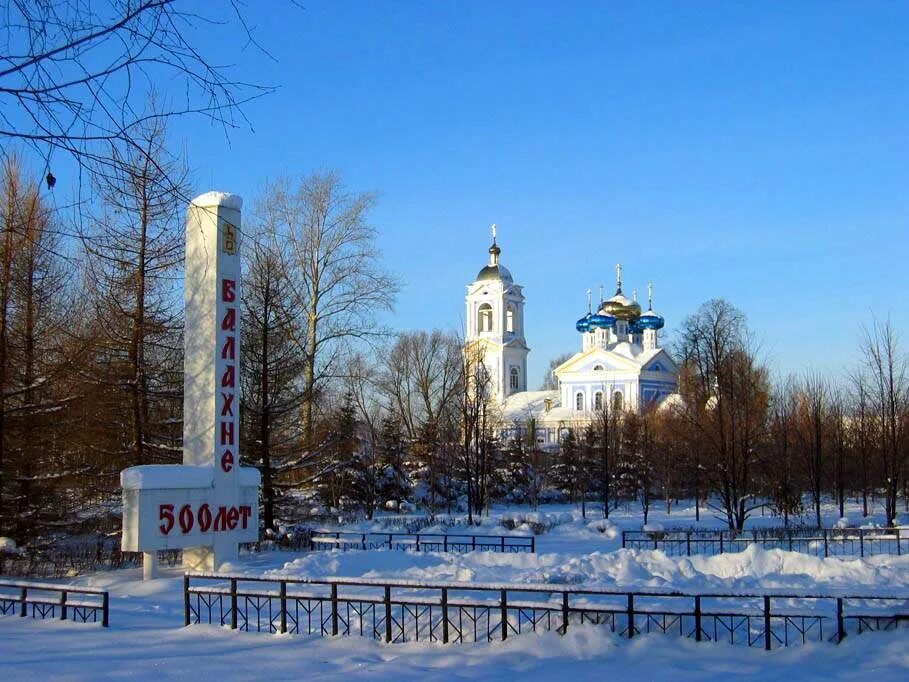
[(209, 504)]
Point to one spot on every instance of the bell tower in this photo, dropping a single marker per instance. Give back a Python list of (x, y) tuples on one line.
[(495, 325)]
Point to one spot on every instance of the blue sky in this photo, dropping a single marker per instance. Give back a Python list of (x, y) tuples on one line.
[(752, 151)]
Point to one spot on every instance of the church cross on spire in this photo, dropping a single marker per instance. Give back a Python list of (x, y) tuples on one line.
[(589, 304), (494, 250), (650, 295), (618, 278)]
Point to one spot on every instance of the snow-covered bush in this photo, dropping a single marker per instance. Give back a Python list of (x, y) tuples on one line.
[(606, 527)]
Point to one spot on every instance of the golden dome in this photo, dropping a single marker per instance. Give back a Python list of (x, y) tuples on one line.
[(621, 307)]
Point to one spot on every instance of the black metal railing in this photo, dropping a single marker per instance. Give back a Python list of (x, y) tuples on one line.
[(820, 542), (422, 542), (402, 611), (63, 602)]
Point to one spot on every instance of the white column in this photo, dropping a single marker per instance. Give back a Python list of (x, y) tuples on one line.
[(211, 396)]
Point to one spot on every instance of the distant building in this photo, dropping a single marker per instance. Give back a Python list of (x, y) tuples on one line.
[(620, 366)]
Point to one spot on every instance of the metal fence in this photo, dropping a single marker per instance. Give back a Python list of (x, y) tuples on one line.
[(820, 542), (423, 542), (46, 601), (403, 611)]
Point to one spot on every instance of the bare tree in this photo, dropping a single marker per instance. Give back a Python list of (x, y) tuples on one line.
[(421, 375), (888, 374), (135, 250), (550, 382), (35, 318), (812, 418), (271, 370), (860, 432), (338, 283), (726, 395), (476, 423), (75, 75), (783, 483)]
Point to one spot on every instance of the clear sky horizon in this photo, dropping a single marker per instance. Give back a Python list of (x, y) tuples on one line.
[(751, 151)]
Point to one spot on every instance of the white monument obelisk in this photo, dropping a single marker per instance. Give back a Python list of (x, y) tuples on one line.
[(211, 415), (209, 504)]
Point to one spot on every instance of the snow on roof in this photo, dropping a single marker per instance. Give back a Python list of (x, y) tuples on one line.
[(522, 405)]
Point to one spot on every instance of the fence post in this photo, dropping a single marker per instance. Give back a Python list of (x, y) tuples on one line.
[(23, 607), (533, 544), (503, 604), (697, 619), (623, 539), (63, 605), (389, 541), (688, 541), (445, 542), (721, 541), (185, 599), (630, 616), (444, 615), (789, 535), (233, 603), (417, 536), (363, 543), (503, 544), (564, 612), (473, 542), (388, 613), (767, 623), (840, 622), (283, 595), (334, 609), (826, 551), (862, 542), (898, 551), (105, 609)]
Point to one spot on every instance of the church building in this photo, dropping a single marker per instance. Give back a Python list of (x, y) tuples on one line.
[(620, 364)]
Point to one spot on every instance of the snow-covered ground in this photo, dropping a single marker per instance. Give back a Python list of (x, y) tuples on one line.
[(147, 641)]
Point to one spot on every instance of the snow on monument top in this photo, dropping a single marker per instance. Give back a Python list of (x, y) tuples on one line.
[(178, 476), (226, 199)]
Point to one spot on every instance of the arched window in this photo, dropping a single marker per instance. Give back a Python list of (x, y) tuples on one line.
[(598, 400), (509, 319), (513, 381), (579, 402), (484, 318), (617, 400)]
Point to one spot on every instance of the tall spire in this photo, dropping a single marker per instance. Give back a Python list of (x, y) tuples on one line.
[(634, 295), (618, 278), (602, 298), (494, 250), (650, 296), (589, 308)]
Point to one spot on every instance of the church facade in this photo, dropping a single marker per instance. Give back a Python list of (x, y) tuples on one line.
[(620, 364)]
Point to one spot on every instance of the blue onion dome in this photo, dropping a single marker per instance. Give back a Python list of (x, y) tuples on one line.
[(650, 320), (583, 325), (601, 321)]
